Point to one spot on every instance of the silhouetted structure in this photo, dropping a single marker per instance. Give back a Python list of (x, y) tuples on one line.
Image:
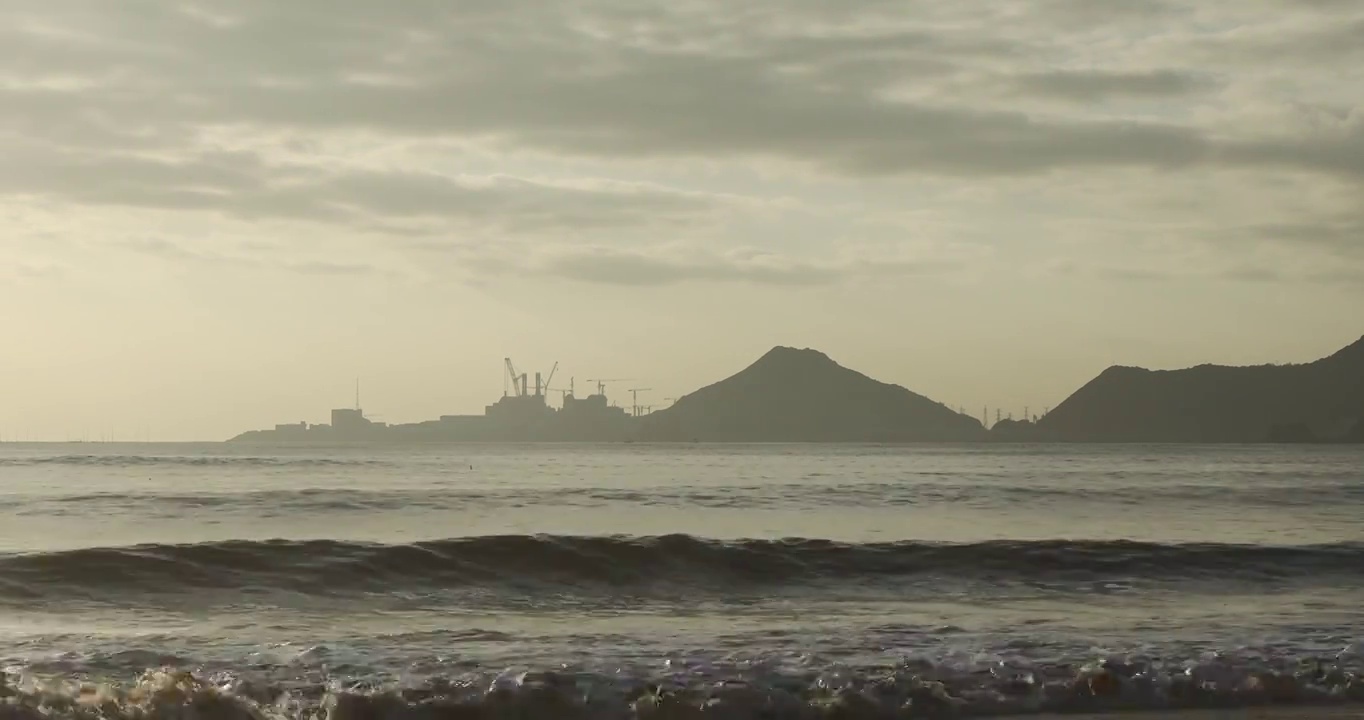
[(351, 422), (792, 395), (1015, 430), (521, 414)]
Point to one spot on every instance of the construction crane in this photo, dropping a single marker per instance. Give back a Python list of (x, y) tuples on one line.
[(517, 379), (568, 391), (601, 383), (548, 380), (520, 381), (634, 398)]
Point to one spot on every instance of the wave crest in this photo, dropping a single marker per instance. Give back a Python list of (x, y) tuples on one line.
[(622, 563)]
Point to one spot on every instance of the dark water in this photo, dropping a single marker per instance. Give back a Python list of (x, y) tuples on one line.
[(625, 579)]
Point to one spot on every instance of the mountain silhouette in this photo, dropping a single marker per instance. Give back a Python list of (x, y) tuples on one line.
[(1321, 400), (800, 395)]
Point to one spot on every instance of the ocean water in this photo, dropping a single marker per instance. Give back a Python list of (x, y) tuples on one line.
[(617, 581)]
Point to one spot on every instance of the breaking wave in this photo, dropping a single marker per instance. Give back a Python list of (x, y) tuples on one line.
[(912, 689), (619, 563)]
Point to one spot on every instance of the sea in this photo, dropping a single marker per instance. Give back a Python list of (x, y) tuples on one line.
[(676, 581)]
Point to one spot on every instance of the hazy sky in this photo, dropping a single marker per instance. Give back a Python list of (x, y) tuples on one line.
[(217, 215)]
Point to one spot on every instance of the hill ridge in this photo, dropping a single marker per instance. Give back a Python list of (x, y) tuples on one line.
[(802, 395), (1321, 399)]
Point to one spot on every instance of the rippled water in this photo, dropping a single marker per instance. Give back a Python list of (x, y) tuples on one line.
[(777, 577)]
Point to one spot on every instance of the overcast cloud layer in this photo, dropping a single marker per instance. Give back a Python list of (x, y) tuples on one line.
[(1145, 182)]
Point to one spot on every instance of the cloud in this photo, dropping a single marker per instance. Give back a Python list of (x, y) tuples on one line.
[(329, 268), (24, 270), (1342, 237), (179, 252), (601, 80), (245, 185), (606, 266), (638, 269), (245, 256), (634, 124), (1094, 85), (1274, 266)]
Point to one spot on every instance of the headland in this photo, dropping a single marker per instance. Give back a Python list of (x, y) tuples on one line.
[(1316, 402)]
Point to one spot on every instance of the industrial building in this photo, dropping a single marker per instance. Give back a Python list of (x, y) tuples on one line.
[(523, 413)]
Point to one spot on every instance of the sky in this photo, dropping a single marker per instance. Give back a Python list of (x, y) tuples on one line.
[(214, 217)]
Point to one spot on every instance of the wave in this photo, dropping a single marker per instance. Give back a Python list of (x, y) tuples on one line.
[(909, 690), (965, 491), (275, 502), (258, 503), (620, 564), (186, 460)]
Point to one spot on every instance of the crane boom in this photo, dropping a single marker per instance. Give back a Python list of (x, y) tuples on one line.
[(514, 376), (552, 370), (601, 383), (634, 399)]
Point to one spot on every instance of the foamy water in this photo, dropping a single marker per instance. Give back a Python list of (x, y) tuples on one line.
[(693, 581)]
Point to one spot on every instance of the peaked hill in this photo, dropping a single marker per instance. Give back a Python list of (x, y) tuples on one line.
[(793, 395), (1321, 400)]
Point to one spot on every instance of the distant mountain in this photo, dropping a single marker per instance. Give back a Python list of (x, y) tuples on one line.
[(792, 395), (1317, 401)]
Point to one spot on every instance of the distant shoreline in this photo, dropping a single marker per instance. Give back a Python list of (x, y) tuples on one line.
[(802, 395)]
